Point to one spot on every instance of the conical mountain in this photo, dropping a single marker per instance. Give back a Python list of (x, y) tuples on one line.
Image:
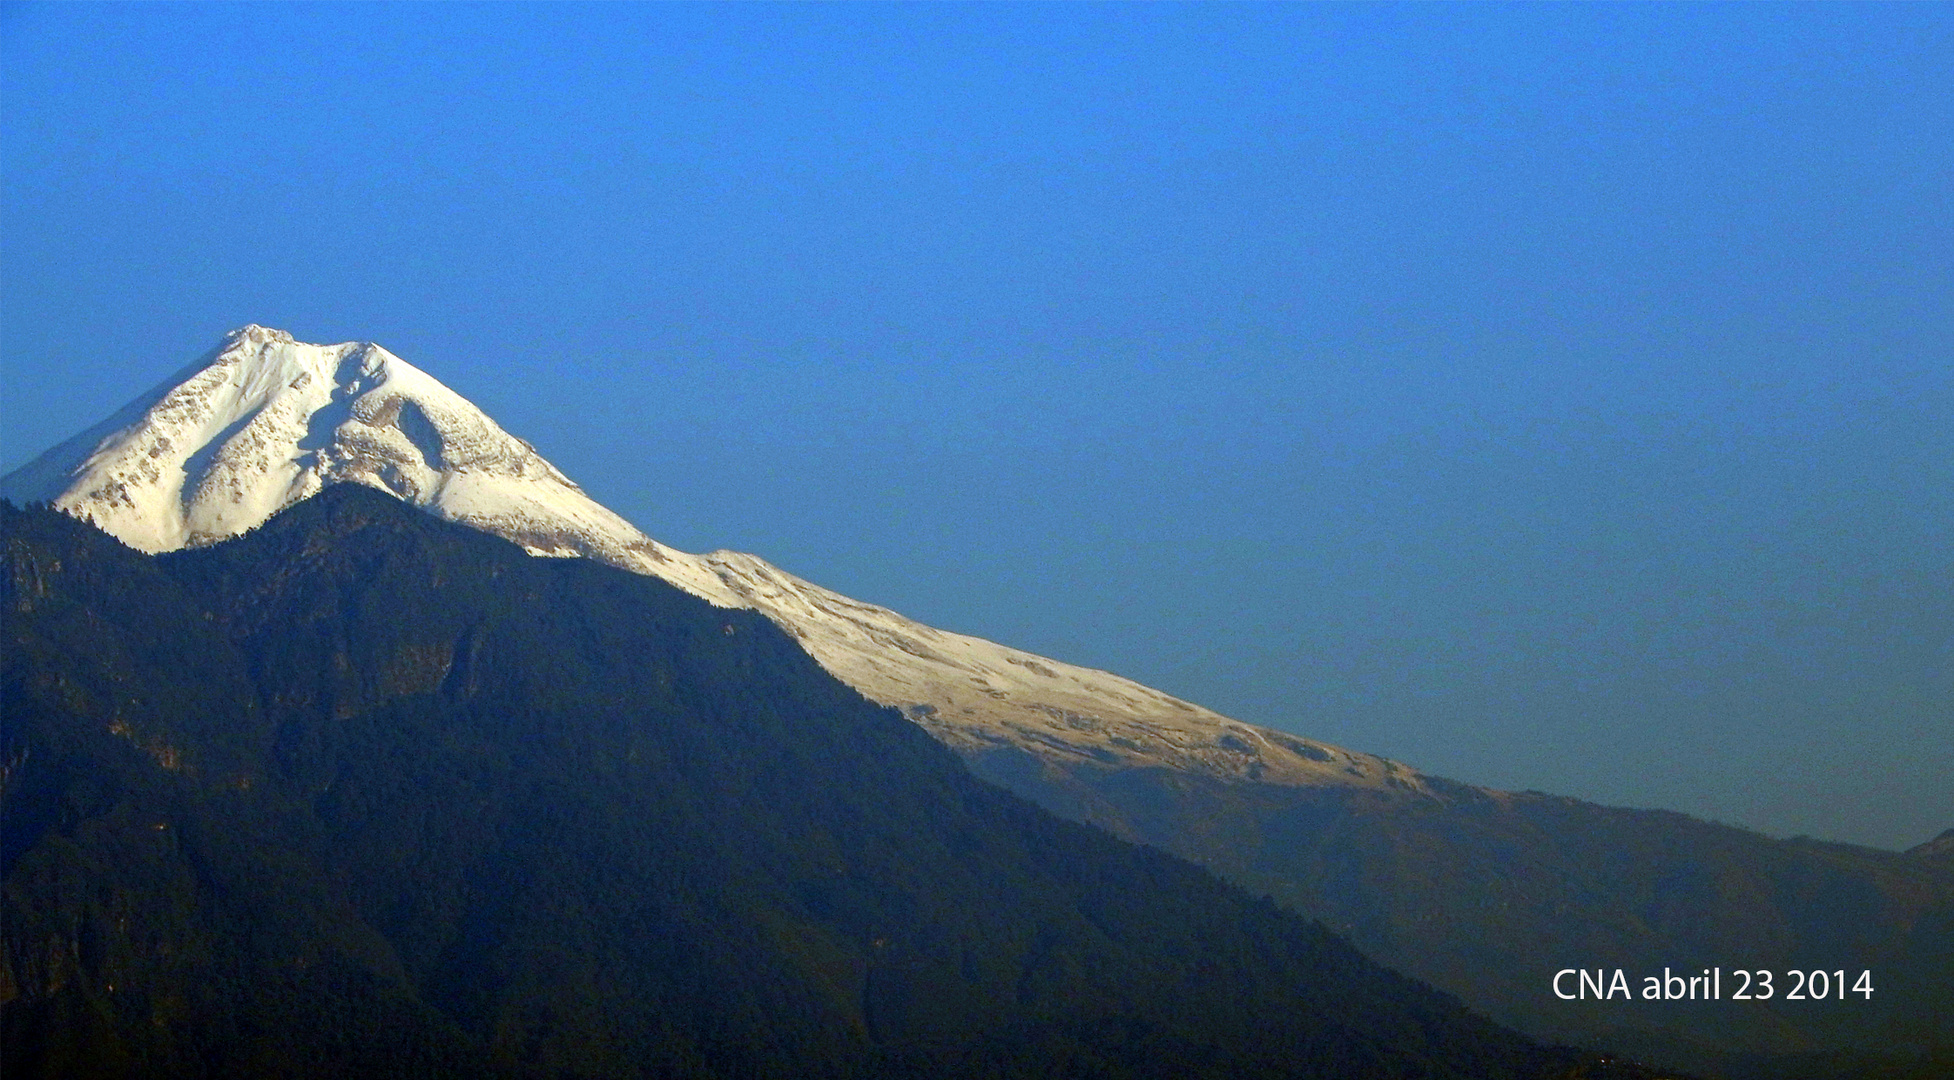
[(264, 421), (1483, 893)]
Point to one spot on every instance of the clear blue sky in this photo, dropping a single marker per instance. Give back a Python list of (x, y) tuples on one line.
[(1550, 397)]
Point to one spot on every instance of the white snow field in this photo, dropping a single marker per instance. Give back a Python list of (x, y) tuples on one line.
[(265, 421)]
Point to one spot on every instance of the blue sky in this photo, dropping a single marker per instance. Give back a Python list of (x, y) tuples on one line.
[(1550, 397)]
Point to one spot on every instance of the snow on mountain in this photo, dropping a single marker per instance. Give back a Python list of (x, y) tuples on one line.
[(265, 421)]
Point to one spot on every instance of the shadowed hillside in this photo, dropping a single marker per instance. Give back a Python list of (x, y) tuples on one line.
[(364, 793), (1487, 894)]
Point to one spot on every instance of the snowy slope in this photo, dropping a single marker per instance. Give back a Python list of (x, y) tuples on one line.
[(265, 421)]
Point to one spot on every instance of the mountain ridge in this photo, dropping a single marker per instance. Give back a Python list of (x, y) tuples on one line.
[(367, 793), (264, 421), (1470, 889)]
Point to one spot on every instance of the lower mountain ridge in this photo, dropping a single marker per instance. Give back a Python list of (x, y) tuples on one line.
[(363, 793), (1489, 894)]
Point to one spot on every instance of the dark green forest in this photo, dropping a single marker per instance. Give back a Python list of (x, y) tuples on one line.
[(363, 793)]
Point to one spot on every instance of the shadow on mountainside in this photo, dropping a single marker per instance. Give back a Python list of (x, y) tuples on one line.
[(362, 793)]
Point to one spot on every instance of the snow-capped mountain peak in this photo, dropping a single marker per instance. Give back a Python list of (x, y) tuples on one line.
[(264, 421)]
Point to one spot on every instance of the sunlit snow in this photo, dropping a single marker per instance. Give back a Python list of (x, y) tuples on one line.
[(265, 421)]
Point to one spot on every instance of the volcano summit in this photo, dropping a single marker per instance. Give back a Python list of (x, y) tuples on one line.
[(263, 422)]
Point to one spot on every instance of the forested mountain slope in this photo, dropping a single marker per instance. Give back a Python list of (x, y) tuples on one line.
[(1489, 893), (366, 793)]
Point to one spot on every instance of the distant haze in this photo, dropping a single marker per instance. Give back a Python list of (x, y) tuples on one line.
[(1551, 398)]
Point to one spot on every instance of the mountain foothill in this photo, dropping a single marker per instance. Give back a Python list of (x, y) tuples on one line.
[(366, 793)]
